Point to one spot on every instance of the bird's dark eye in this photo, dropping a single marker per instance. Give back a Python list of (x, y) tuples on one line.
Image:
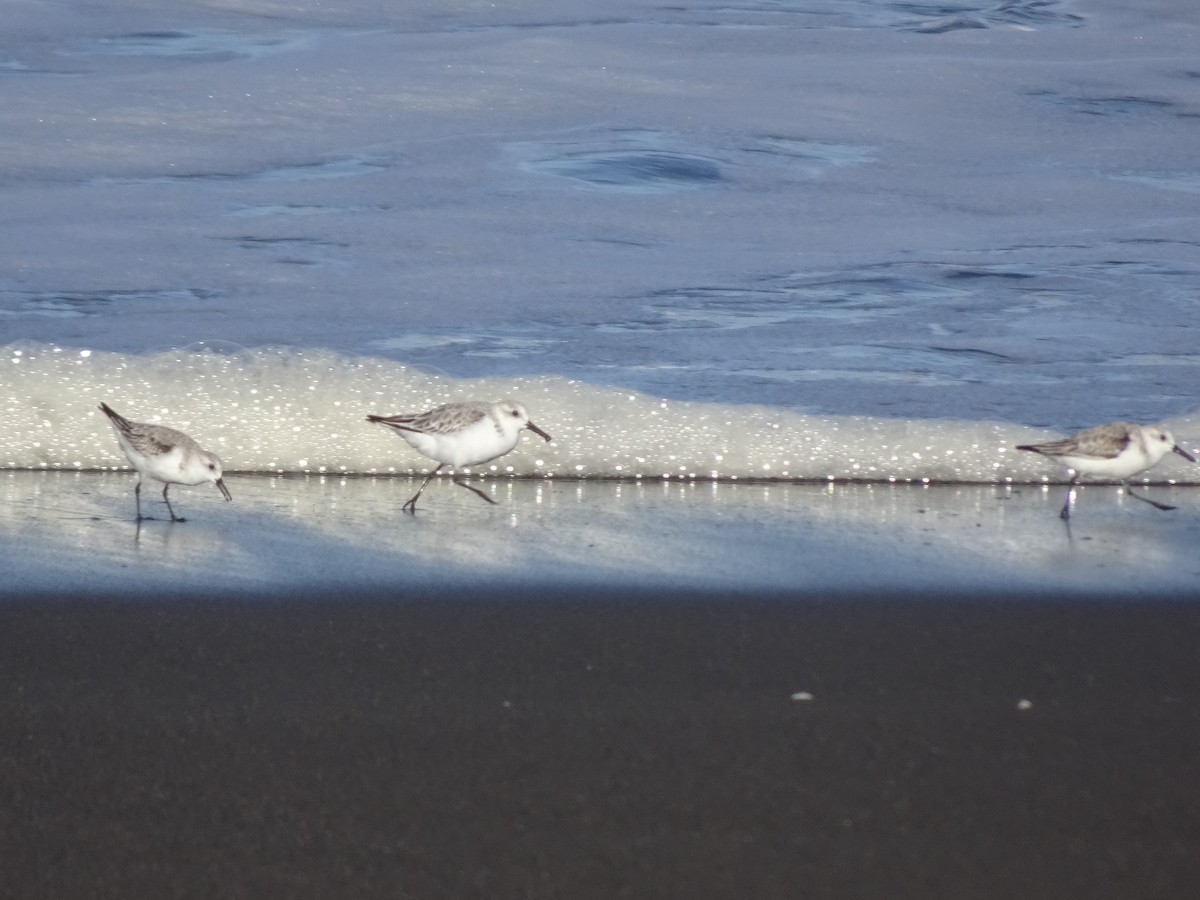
[(212, 467), (515, 414)]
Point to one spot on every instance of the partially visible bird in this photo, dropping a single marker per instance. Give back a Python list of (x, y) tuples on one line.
[(462, 434), (1115, 451), (165, 455)]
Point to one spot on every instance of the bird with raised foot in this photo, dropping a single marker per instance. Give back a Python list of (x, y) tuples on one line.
[(1116, 452), (461, 434)]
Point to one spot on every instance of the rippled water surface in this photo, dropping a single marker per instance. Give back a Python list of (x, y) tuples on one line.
[(975, 212)]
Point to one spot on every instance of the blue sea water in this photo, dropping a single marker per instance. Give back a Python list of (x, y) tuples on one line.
[(839, 240)]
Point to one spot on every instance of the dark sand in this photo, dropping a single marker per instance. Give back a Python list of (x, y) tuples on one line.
[(599, 746)]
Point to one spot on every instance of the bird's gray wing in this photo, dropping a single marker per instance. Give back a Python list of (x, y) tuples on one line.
[(443, 420), (1103, 441)]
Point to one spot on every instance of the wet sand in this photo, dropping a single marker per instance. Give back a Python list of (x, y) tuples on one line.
[(597, 691), (556, 743), (62, 533)]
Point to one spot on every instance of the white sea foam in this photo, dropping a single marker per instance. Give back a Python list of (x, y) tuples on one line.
[(285, 410)]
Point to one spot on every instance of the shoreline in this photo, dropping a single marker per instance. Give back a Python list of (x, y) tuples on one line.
[(67, 532), (467, 473)]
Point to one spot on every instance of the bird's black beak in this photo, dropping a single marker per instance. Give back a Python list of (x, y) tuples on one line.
[(1184, 453), (220, 482), (543, 434)]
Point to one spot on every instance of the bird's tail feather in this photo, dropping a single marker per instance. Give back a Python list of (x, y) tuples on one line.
[(117, 419), (401, 422)]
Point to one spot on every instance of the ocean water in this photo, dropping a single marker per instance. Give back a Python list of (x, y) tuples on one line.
[(864, 241)]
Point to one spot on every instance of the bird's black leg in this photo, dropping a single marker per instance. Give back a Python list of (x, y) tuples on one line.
[(137, 496), (1163, 506), (475, 490), (174, 518), (411, 504), (1065, 515)]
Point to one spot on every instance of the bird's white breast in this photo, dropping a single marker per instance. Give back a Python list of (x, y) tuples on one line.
[(479, 442)]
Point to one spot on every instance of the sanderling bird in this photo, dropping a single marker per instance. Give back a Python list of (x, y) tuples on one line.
[(462, 434), (165, 455), (1114, 451)]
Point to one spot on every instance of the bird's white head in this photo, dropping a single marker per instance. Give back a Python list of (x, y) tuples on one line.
[(513, 415), (1161, 442), (207, 467)]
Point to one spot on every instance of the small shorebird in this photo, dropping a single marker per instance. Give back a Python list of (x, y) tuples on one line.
[(1115, 451), (165, 455), (462, 434)]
